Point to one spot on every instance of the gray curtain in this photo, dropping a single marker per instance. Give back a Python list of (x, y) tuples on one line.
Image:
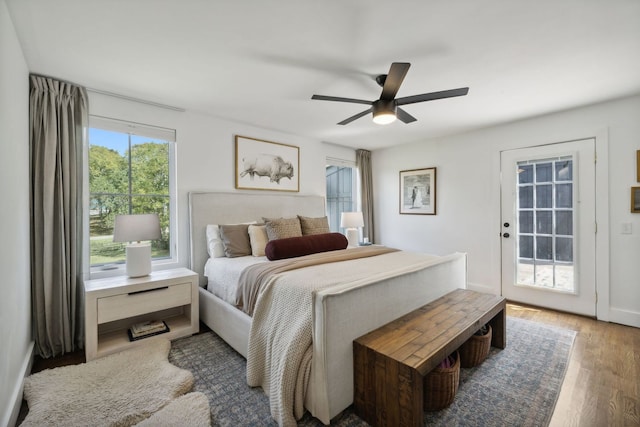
[(363, 163), (58, 114)]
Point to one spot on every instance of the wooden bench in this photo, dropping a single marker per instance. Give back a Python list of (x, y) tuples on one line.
[(390, 362)]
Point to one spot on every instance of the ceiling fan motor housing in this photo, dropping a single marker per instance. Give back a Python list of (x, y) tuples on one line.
[(384, 107)]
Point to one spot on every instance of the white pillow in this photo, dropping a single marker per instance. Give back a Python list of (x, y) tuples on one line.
[(215, 247), (259, 239)]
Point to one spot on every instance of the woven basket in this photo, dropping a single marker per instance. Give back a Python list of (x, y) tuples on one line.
[(475, 349), (441, 386)]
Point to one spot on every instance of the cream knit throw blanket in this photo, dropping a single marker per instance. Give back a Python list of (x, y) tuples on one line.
[(280, 339)]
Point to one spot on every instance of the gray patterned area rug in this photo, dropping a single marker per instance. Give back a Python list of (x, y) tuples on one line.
[(517, 386)]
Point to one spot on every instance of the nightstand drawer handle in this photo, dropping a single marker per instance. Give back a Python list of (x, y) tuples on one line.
[(148, 290)]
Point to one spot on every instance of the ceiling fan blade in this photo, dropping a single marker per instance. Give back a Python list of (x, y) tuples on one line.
[(339, 99), (432, 96), (394, 79), (356, 117), (404, 116)]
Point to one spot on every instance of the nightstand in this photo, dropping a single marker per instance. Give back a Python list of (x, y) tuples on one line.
[(113, 304)]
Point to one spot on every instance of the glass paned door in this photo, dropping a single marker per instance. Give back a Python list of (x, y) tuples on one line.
[(545, 223), (548, 226)]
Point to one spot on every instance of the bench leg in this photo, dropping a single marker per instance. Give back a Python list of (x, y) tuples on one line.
[(387, 393), (499, 329)]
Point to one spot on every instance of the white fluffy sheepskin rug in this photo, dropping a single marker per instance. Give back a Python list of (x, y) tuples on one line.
[(121, 389), (190, 410)]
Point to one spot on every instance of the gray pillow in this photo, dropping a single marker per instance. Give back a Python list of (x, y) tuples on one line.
[(235, 239)]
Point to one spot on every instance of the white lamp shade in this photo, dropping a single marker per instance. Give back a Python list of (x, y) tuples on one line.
[(351, 220), (136, 228)]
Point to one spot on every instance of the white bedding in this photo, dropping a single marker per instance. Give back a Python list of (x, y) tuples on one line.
[(223, 274)]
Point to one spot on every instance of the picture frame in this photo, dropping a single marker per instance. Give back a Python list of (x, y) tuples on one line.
[(418, 191), (635, 199), (638, 166), (266, 165)]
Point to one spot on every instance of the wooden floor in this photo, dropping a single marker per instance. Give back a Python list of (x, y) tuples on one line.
[(602, 384)]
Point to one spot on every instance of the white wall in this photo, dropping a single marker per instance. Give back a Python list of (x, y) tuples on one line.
[(206, 152), (15, 304), (468, 199)]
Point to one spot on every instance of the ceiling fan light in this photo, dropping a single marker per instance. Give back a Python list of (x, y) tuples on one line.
[(384, 112), (384, 118)]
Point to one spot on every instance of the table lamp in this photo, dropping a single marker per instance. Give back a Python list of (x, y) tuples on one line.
[(137, 228), (351, 221)]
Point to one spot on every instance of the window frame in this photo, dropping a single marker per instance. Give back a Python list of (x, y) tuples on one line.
[(140, 129)]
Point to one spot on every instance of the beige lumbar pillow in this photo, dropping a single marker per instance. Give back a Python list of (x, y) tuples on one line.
[(258, 238)]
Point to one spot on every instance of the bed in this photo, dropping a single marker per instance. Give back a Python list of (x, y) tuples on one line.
[(338, 314)]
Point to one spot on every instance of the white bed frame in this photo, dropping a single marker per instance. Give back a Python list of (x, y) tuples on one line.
[(339, 315)]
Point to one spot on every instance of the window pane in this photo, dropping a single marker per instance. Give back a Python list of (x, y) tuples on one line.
[(525, 247), (340, 197), (544, 196), (525, 223), (525, 174), (564, 223), (564, 170), (544, 222), (564, 195), (544, 249), (107, 165), (102, 212), (525, 197), (543, 172), (149, 166), (564, 249)]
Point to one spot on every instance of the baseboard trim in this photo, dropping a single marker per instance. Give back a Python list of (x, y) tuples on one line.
[(11, 416), (482, 288), (624, 317)]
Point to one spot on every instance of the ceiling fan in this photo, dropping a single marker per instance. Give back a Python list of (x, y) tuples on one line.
[(386, 109)]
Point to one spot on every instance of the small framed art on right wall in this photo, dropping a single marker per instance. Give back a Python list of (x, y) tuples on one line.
[(635, 199)]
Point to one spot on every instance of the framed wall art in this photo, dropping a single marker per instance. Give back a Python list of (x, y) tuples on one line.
[(635, 199), (266, 165), (418, 191)]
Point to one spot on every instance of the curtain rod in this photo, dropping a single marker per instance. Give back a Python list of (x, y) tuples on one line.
[(115, 95), (138, 100)]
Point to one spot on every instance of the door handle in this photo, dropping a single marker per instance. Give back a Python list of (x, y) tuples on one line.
[(505, 235)]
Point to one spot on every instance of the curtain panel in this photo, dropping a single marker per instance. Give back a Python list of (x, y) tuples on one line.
[(363, 163), (58, 114)]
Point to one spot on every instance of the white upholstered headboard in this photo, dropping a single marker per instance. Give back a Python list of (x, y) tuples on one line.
[(233, 208)]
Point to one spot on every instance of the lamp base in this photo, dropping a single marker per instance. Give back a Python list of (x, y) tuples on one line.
[(138, 259), (352, 236)]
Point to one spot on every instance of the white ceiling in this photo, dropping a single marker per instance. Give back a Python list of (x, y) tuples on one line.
[(259, 62)]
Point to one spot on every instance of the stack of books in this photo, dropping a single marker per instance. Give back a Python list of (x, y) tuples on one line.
[(147, 329)]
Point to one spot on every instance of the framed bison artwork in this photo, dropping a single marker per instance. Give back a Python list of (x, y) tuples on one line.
[(265, 165)]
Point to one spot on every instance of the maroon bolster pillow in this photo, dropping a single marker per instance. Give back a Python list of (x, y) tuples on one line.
[(291, 247)]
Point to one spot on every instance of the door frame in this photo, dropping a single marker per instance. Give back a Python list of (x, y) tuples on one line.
[(601, 137)]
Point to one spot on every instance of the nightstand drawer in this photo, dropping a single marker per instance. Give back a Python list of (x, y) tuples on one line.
[(132, 304)]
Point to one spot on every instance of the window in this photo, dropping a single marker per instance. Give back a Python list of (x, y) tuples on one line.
[(341, 192), (130, 172)]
